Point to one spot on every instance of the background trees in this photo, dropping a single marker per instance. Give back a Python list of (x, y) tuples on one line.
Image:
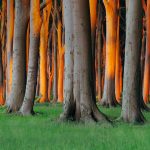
[(73, 51)]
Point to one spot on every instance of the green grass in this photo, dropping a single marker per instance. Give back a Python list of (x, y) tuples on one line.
[(43, 132)]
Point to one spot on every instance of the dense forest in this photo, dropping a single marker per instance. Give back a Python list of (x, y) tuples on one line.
[(82, 53)]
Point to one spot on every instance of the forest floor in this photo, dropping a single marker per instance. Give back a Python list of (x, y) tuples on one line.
[(44, 132)]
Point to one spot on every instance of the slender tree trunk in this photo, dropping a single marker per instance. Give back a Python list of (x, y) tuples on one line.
[(10, 33), (131, 111), (55, 48), (109, 98), (79, 103), (61, 63), (3, 51), (27, 46), (35, 26), (19, 55), (118, 68), (1, 79), (146, 83), (43, 52), (99, 49), (93, 20)]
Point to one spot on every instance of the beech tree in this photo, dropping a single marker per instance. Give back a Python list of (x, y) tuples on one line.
[(109, 98), (10, 33), (146, 81), (131, 111), (2, 51), (19, 55), (43, 51), (79, 99), (35, 26)]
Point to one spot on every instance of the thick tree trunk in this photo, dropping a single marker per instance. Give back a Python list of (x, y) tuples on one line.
[(109, 98), (79, 103), (35, 26), (19, 55), (131, 89)]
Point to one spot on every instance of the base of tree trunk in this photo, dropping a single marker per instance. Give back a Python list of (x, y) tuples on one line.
[(26, 113), (27, 107), (111, 102), (137, 119), (12, 108), (85, 115), (144, 107)]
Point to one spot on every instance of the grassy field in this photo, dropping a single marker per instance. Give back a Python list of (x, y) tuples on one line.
[(43, 132)]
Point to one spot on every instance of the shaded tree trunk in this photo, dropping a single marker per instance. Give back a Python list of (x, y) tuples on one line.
[(19, 55), (10, 33), (35, 26), (146, 81), (99, 49), (131, 111), (55, 82), (3, 51)]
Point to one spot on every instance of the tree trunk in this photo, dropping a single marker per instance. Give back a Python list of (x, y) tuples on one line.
[(3, 51), (93, 20), (109, 98), (99, 49), (35, 26), (61, 63), (43, 53), (55, 87), (118, 68), (131, 111), (146, 83), (19, 55), (79, 103), (10, 33)]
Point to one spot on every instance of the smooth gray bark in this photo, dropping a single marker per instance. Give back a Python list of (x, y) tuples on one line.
[(131, 111), (28, 102), (79, 102), (19, 55)]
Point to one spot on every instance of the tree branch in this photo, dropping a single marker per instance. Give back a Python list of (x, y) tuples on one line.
[(144, 6), (44, 4)]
